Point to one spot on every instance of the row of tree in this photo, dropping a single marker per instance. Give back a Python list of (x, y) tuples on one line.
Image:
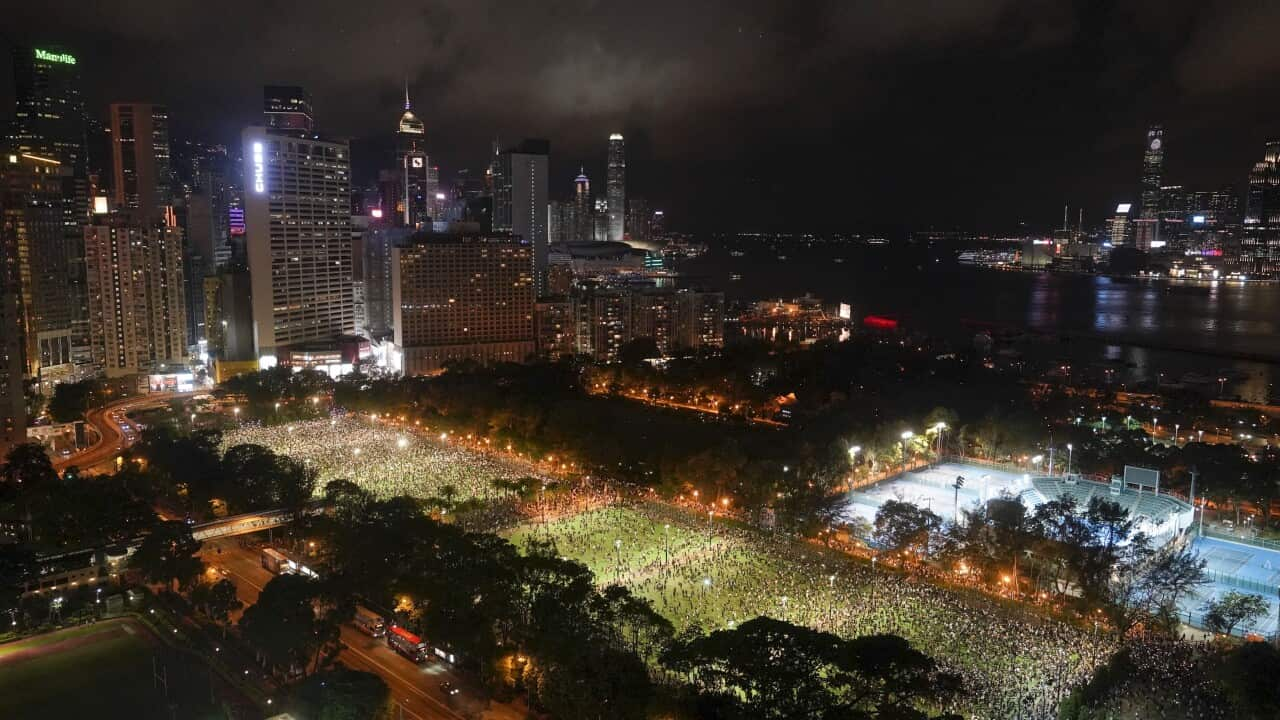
[(1090, 555)]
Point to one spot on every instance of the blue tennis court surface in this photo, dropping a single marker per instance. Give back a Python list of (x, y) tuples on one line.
[(1240, 567)]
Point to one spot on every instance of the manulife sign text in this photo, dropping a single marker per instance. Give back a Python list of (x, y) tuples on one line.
[(64, 58)]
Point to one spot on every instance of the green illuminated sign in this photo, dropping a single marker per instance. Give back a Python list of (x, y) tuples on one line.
[(63, 58)]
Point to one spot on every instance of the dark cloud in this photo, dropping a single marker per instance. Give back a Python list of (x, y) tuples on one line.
[(822, 113)]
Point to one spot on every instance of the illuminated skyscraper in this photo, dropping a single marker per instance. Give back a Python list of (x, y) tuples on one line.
[(49, 123), (413, 207), (297, 197), (140, 151), (1147, 227), (48, 116), (31, 196), (582, 207), (616, 187), (462, 297)]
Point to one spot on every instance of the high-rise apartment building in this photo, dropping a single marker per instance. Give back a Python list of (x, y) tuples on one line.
[(297, 198), (140, 150), (462, 297), (520, 200), (616, 187), (32, 200), (137, 302), (287, 107)]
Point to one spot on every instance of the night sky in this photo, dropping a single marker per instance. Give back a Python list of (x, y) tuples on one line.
[(740, 115)]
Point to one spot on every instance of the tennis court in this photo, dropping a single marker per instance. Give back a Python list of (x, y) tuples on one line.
[(933, 488), (1240, 567)]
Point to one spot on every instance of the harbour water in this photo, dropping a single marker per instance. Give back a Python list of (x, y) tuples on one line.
[(1148, 330)]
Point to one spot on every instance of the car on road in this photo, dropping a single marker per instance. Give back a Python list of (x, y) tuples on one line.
[(449, 689)]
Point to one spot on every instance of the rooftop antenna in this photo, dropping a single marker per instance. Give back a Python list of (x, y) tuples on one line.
[(407, 105)]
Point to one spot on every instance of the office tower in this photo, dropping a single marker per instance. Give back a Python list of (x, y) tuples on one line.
[(616, 187), (379, 308), (600, 221), (462, 297), (1152, 168), (1147, 225), (287, 107), (48, 118), (32, 197), (1118, 227), (1262, 205), (49, 122), (582, 208), (137, 303), (140, 149), (561, 222), (658, 224), (229, 317), (297, 197), (413, 206), (638, 220), (13, 408), (520, 200)]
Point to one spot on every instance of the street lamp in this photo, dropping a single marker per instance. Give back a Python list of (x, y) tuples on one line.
[(1199, 436), (853, 451), (1069, 448), (1175, 433), (939, 427), (906, 435)]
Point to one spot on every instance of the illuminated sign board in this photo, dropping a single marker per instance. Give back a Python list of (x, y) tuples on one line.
[(259, 169), (63, 58), (417, 162), (1197, 219), (846, 312), (1123, 208), (236, 216)]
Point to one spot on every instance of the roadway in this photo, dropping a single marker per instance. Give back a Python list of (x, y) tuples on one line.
[(115, 433), (415, 687)]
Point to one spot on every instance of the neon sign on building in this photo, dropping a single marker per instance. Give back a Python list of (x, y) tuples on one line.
[(259, 169), (64, 58)]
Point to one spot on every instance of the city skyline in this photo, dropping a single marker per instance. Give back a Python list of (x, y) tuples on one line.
[(721, 130)]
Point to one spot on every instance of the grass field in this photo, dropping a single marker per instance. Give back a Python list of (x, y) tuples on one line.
[(97, 671), (1011, 661)]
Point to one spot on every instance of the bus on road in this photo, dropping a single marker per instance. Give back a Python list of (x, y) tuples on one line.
[(407, 644), (369, 622)]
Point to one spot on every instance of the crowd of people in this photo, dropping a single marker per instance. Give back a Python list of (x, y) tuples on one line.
[(709, 571), (385, 461), (718, 574)]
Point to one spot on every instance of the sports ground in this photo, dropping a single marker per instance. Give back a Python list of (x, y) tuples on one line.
[(933, 488), (103, 670), (1240, 567)]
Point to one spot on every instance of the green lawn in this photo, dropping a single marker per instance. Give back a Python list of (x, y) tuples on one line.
[(743, 573), (98, 671)]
